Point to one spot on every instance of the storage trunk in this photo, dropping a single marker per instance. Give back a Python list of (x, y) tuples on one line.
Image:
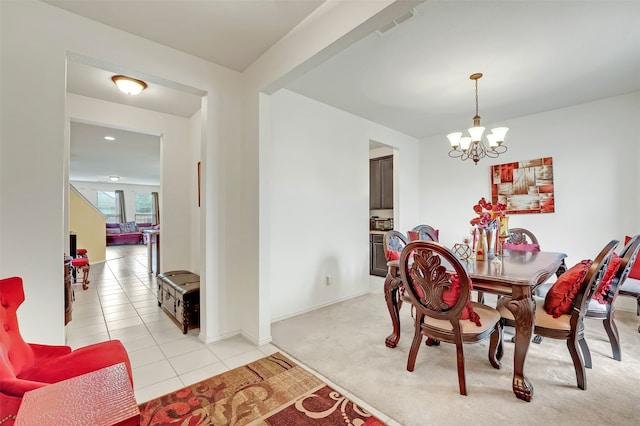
[(179, 295)]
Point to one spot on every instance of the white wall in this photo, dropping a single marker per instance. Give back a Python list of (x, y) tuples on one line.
[(330, 28), (596, 151), (36, 41), (319, 207), (89, 190)]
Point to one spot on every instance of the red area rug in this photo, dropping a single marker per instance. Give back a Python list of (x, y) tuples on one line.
[(271, 391)]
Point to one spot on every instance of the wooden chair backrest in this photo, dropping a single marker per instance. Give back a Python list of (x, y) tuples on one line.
[(426, 269), (394, 241), (426, 232), (521, 236), (591, 280), (629, 255)]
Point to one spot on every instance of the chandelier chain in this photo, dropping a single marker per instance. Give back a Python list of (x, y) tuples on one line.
[(476, 97)]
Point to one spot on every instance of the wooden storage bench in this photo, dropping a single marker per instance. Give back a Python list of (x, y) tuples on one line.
[(179, 295)]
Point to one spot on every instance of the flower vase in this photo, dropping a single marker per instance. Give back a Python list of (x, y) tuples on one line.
[(480, 245), (491, 243), (503, 233)]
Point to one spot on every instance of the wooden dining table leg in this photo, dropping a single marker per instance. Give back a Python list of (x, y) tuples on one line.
[(391, 287), (523, 308)]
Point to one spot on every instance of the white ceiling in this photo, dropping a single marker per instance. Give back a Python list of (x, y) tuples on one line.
[(231, 33), (133, 157), (535, 56)]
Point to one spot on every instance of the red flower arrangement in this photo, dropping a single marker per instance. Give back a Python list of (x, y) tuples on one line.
[(487, 213)]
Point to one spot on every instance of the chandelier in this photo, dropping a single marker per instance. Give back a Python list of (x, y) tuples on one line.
[(472, 147)]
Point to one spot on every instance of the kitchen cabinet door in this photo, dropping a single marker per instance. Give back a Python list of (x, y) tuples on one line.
[(377, 261), (386, 183), (375, 188), (381, 183)]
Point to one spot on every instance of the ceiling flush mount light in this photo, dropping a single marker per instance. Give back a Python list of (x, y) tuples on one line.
[(114, 178), (109, 138), (129, 85), (472, 147)]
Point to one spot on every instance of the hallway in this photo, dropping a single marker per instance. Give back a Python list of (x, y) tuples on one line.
[(121, 303)]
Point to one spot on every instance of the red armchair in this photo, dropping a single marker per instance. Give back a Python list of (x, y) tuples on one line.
[(27, 366)]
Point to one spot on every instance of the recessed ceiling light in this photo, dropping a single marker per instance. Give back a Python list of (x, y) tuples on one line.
[(110, 138), (128, 85), (114, 178)]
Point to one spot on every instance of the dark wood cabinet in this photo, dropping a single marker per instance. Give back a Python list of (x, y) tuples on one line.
[(377, 261), (381, 183)]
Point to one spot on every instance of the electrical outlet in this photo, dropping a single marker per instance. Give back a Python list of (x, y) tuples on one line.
[(328, 279)]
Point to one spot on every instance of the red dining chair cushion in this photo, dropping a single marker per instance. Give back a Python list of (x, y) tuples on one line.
[(635, 269), (451, 296), (605, 283), (521, 247), (80, 261), (81, 251), (559, 299), (392, 255)]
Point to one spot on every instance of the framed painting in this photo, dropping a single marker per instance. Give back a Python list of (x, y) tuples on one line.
[(524, 186)]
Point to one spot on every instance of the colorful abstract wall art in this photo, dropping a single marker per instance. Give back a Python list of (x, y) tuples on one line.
[(524, 186)]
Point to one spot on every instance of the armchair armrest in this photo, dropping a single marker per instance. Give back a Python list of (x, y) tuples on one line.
[(47, 351), (17, 387)]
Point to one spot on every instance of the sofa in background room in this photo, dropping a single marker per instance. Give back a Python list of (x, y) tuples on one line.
[(126, 233)]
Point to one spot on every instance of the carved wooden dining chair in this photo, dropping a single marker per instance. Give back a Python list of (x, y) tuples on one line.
[(602, 305), (521, 236), (525, 240), (631, 286), (565, 321), (425, 232), (439, 287), (393, 243), (521, 239)]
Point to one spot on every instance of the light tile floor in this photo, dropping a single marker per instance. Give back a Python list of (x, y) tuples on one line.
[(121, 303)]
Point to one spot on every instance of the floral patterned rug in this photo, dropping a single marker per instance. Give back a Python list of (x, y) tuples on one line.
[(271, 391)]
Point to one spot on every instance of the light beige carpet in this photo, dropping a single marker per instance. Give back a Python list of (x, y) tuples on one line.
[(345, 343)]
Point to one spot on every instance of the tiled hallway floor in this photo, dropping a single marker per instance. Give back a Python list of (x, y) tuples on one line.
[(121, 303)]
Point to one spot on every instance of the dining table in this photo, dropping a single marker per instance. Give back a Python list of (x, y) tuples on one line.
[(516, 275)]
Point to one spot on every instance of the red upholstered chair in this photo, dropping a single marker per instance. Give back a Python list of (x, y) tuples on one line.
[(27, 366)]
